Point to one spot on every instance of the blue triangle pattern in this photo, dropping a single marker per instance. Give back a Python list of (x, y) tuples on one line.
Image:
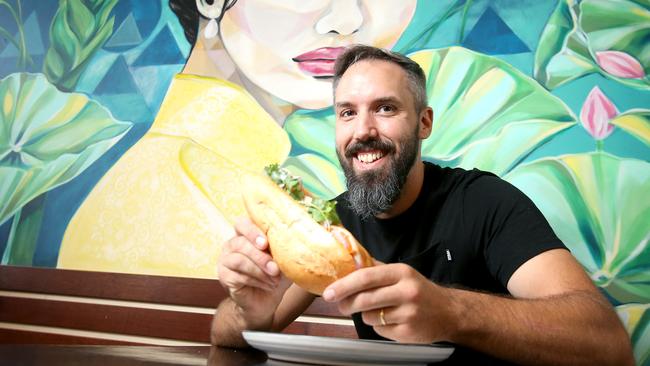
[(126, 35), (118, 80), (493, 36), (163, 50)]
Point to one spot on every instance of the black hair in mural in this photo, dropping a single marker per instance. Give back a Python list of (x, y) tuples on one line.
[(189, 15)]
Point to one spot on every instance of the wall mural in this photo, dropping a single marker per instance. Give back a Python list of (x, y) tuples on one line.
[(125, 124)]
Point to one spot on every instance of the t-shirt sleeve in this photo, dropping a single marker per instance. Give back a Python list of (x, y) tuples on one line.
[(509, 227)]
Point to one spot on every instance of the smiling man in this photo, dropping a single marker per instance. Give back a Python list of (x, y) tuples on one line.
[(463, 256)]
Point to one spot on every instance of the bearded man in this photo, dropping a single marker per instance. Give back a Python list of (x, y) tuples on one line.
[(463, 256)]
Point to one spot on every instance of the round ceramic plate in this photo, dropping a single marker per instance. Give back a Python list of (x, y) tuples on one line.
[(343, 351)]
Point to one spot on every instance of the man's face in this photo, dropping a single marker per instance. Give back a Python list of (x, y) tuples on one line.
[(378, 132)]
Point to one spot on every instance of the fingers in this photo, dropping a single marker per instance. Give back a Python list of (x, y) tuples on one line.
[(243, 264), (362, 280), (378, 317), (246, 228)]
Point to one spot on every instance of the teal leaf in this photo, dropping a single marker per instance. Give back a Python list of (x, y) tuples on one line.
[(562, 53), (319, 176), (597, 204), (47, 137), (636, 319), (313, 131), (484, 108)]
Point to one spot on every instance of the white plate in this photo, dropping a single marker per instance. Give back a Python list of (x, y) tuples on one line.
[(343, 351)]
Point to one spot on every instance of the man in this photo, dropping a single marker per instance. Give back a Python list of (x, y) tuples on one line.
[(470, 259)]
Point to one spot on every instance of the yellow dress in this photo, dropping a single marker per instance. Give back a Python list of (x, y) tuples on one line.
[(168, 204)]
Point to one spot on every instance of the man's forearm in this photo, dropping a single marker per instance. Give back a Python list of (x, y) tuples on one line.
[(572, 329), (228, 324)]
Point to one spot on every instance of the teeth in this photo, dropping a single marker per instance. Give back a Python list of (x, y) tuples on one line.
[(369, 157)]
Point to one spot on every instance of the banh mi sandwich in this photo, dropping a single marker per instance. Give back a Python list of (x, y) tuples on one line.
[(304, 233)]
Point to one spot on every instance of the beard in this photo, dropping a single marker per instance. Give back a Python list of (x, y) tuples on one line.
[(374, 192)]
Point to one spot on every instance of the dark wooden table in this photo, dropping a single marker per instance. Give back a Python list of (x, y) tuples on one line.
[(55, 355)]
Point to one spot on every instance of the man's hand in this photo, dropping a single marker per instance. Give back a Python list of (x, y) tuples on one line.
[(408, 300), (251, 277)]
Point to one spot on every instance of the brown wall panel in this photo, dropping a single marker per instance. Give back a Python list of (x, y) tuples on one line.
[(129, 287), (106, 318), (11, 336)]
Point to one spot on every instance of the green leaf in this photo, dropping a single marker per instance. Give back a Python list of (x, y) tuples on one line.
[(597, 204), (80, 20), (561, 54), (48, 137), (313, 131), (485, 107), (79, 28), (619, 25), (636, 122), (319, 176), (636, 319)]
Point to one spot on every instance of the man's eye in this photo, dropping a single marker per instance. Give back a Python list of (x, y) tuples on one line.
[(346, 113), (386, 108)]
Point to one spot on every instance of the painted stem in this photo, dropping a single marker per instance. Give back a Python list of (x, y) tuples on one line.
[(23, 235)]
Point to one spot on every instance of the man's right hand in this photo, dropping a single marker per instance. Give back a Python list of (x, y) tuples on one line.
[(251, 277)]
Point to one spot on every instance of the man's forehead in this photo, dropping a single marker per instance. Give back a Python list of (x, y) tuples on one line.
[(371, 79)]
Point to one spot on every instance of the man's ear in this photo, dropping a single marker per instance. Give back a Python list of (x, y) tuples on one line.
[(426, 123)]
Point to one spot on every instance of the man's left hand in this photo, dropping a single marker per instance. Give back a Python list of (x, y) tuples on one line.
[(397, 301)]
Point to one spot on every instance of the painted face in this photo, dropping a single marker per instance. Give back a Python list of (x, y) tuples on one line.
[(288, 47), (377, 134)]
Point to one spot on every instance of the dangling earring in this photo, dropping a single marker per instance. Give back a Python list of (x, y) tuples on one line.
[(213, 12)]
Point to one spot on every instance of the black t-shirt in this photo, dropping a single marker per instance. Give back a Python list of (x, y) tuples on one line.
[(467, 229)]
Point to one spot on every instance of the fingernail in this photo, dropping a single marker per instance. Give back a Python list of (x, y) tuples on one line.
[(328, 295), (272, 268), (260, 241)]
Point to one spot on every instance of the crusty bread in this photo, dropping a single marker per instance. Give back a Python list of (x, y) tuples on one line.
[(306, 252)]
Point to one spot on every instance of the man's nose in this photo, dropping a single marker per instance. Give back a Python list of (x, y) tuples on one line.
[(365, 127), (341, 17)]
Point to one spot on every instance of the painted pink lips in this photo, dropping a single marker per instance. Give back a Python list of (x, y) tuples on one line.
[(319, 63)]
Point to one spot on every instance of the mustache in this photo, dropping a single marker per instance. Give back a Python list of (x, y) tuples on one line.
[(373, 144)]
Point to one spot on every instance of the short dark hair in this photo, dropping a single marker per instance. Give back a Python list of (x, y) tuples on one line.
[(415, 74)]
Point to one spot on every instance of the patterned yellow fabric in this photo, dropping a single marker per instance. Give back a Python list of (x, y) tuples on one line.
[(167, 205)]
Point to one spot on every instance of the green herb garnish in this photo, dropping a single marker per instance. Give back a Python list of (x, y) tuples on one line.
[(323, 211)]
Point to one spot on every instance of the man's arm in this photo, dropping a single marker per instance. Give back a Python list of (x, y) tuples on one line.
[(230, 320), (556, 317), (259, 297)]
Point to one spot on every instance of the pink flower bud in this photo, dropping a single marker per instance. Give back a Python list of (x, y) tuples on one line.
[(620, 64), (596, 113)]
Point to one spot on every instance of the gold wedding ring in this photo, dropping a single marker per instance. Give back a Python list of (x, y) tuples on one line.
[(381, 317)]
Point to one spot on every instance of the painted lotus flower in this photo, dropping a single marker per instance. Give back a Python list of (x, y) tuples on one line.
[(597, 204), (620, 64), (596, 113), (489, 115)]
